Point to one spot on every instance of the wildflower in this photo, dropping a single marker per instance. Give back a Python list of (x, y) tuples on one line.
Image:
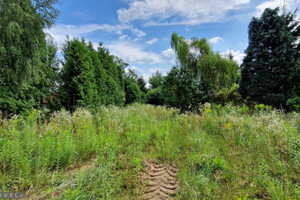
[(228, 125), (207, 110)]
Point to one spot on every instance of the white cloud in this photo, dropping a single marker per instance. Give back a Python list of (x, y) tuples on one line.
[(216, 40), (138, 32), (237, 55), (137, 39), (137, 55), (169, 56), (60, 31), (290, 5), (185, 12), (136, 69), (152, 41), (133, 53), (63, 29), (119, 32), (123, 37)]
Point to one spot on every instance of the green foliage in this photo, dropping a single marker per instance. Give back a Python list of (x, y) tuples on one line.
[(48, 85), (133, 93), (270, 63), (142, 85), (156, 80), (114, 95), (183, 91), (220, 72), (206, 65), (182, 49), (294, 103), (114, 91), (155, 96), (39, 148), (262, 107), (91, 78), (133, 88), (224, 96), (22, 45), (100, 75), (79, 87), (201, 74)]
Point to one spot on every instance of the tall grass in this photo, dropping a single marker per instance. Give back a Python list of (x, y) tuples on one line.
[(226, 153), (29, 150), (241, 155)]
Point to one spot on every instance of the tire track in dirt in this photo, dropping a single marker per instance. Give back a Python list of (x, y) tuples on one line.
[(160, 180)]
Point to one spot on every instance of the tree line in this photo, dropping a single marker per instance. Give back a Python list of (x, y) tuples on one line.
[(269, 74), (32, 76)]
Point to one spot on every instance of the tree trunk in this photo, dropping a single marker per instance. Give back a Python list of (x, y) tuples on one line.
[(4, 114)]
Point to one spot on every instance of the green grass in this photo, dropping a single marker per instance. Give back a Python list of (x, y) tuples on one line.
[(224, 154)]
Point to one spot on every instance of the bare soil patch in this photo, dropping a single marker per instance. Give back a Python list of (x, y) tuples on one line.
[(160, 180)]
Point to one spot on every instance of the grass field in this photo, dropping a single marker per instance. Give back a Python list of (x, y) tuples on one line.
[(225, 153)]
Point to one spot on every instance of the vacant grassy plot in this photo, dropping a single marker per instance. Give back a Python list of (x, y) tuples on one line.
[(224, 154)]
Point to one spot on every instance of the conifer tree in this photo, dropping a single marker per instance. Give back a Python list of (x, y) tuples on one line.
[(271, 58), (114, 69), (132, 89), (79, 87)]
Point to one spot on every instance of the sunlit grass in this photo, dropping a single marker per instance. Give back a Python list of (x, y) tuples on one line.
[(225, 153)]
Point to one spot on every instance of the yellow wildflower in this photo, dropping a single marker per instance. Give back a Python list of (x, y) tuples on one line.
[(207, 110), (228, 125)]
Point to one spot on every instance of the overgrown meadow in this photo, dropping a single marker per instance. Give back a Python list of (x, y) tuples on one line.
[(224, 153)]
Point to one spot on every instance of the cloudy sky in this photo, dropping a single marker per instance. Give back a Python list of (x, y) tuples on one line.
[(139, 31)]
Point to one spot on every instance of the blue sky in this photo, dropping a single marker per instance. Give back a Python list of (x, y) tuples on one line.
[(139, 31)]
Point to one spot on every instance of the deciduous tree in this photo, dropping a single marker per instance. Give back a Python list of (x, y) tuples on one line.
[(22, 43)]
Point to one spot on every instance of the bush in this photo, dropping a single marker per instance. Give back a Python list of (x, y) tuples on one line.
[(229, 95), (294, 103), (262, 107), (155, 96)]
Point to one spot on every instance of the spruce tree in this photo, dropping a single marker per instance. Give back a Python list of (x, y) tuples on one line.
[(79, 87), (100, 75), (114, 69), (271, 58)]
